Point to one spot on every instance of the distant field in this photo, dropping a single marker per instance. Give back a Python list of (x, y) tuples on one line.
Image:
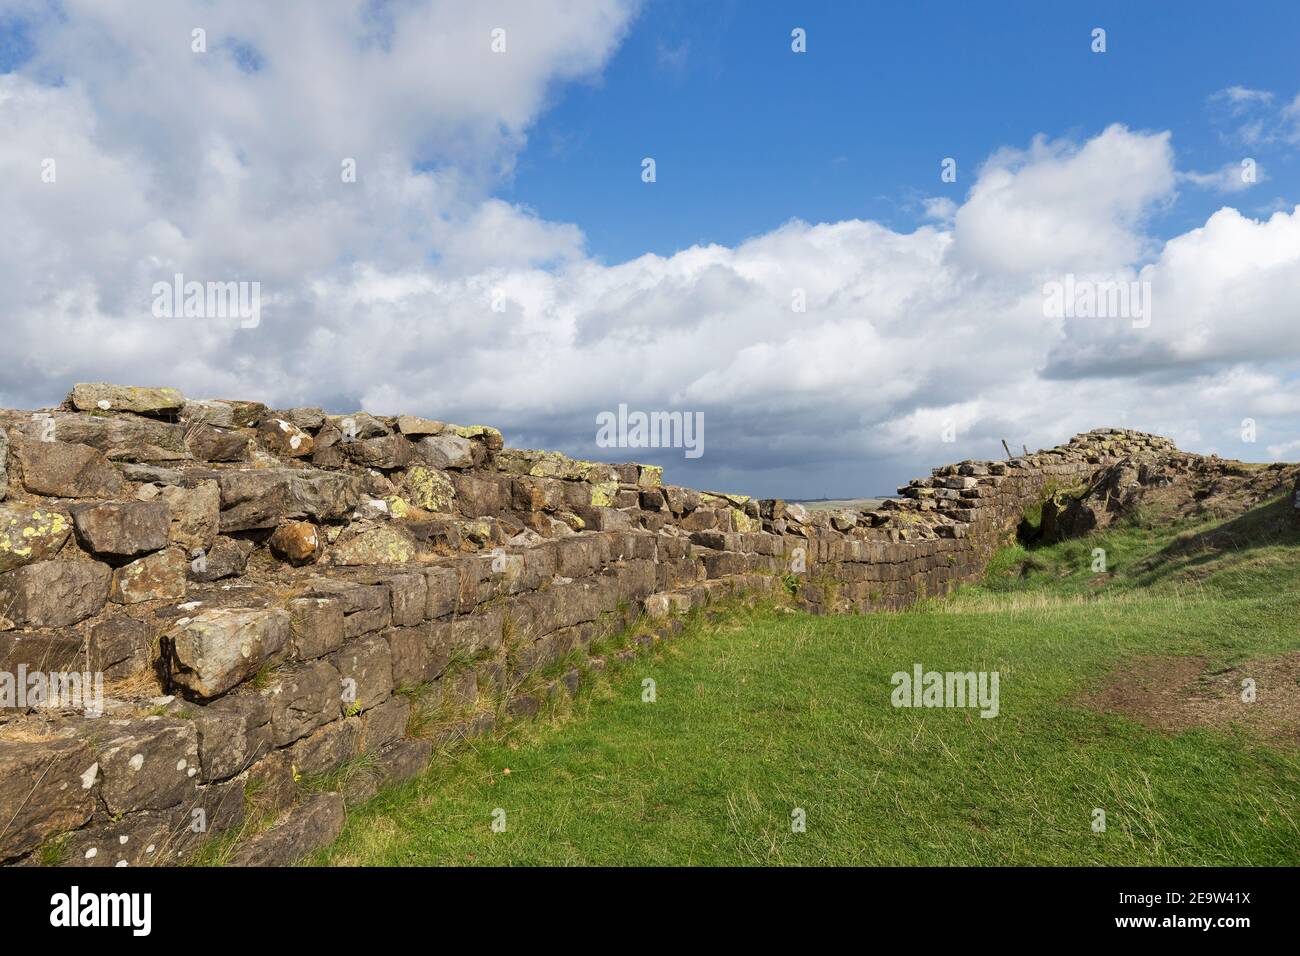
[(836, 504), (1120, 695)]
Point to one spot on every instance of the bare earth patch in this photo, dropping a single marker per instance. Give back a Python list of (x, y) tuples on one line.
[(1177, 693)]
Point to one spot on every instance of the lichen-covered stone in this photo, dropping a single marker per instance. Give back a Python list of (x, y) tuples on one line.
[(281, 437), (428, 488), (382, 544), (99, 396), (215, 650), (155, 577), (4, 464), (148, 763), (29, 534)]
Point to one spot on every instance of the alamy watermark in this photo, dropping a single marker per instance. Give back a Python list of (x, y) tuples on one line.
[(209, 300), (71, 690), (624, 429), (922, 688), (1075, 298)]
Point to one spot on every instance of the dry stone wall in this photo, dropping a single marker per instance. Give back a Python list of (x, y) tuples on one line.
[(267, 595)]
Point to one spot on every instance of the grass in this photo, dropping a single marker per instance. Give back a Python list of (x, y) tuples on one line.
[(764, 712)]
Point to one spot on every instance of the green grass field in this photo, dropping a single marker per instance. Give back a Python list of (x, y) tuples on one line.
[(762, 711)]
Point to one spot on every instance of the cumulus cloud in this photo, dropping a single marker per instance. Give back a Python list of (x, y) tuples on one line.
[(829, 358), (1058, 206)]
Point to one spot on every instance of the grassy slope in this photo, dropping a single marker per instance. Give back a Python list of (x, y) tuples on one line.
[(761, 712)]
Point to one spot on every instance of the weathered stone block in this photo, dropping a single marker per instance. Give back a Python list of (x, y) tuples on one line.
[(284, 438), (388, 452), (207, 443), (446, 451), (149, 763), (309, 826), (315, 626), (414, 426), (384, 723), (102, 397), (195, 515), (328, 748), (121, 647), (45, 789), (53, 593), (124, 437), (365, 667), (480, 496), (410, 656), (66, 470), (480, 633), (402, 760), (443, 592), (215, 650), (40, 650), (302, 698), (209, 413), (29, 534), (296, 542), (409, 594), (122, 529), (233, 732), (155, 577), (228, 557)]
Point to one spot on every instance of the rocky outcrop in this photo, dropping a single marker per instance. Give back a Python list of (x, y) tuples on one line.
[(274, 596), (1169, 485)]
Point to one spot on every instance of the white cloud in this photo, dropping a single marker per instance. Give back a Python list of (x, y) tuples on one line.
[(1058, 206), (381, 291), (1248, 117), (1229, 178)]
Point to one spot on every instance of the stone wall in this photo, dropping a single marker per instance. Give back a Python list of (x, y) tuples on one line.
[(269, 594)]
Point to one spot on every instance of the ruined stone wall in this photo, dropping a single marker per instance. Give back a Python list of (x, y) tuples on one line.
[(268, 595)]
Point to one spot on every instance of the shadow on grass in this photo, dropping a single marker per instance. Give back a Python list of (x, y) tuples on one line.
[(1270, 525)]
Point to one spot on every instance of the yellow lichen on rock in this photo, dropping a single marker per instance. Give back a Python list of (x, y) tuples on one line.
[(428, 488)]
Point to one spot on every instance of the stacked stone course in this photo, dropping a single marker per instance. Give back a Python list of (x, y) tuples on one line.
[(269, 593)]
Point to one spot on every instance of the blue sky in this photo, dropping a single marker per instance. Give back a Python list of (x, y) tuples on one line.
[(514, 178), (747, 135)]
